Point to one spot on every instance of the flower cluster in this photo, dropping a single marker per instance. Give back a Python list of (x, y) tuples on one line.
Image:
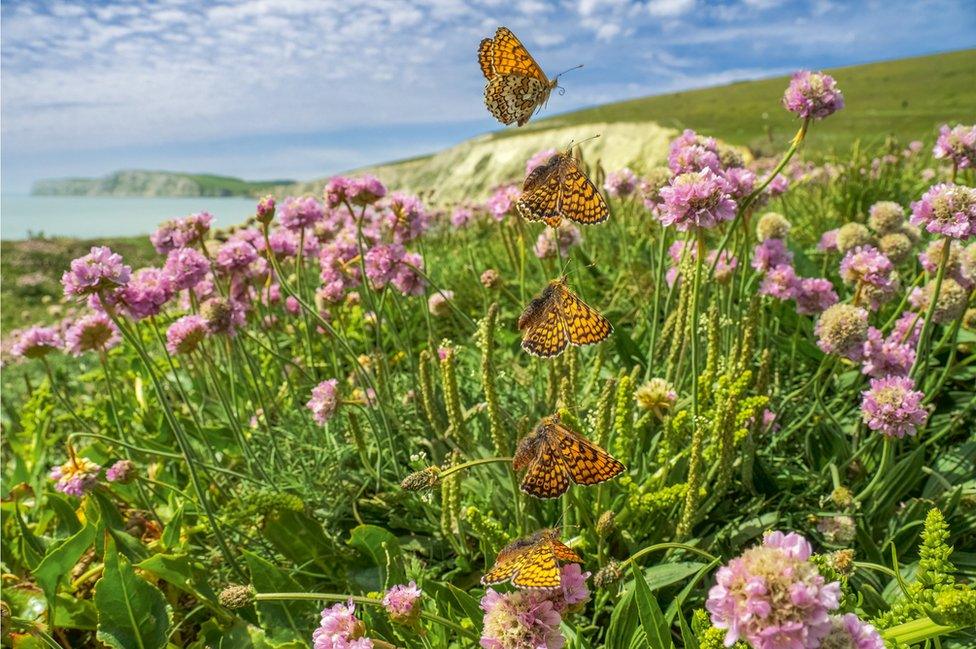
[(813, 95), (339, 628), (402, 603), (947, 209), (99, 270), (181, 233), (696, 199), (893, 407), (324, 401), (957, 144), (92, 332), (557, 242), (37, 342), (872, 273), (621, 183), (76, 477)]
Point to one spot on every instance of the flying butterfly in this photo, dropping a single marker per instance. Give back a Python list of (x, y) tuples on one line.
[(557, 318), (559, 189), (531, 562), (516, 86), (553, 455)]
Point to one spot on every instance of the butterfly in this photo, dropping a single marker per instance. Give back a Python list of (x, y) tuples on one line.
[(556, 318), (553, 455), (516, 86), (558, 189), (531, 562)]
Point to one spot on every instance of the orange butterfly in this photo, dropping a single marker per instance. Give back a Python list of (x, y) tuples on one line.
[(516, 86), (554, 455), (558, 189), (531, 562), (557, 318)]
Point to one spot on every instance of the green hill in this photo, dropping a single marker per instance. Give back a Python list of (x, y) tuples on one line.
[(137, 182)]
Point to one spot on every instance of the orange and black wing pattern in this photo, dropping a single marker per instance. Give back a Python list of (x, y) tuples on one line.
[(516, 86), (504, 54), (532, 562), (559, 189), (584, 324), (545, 332)]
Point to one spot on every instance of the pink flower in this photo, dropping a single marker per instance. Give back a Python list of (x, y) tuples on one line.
[(772, 596), (37, 342), (696, 200), (266, 209), (502, 202), (690, 152), (407, 278), (147, 292), (99, 270), (235, 257), (851, 632), (893, 406), (621, 183), (828, 241), (572, 587), (813, 95), (185, 267), (95, 331), (336, 191), (298, 213), (538, 159), (957, 144), (520, 620), (842, 329), (292, 305), (947, 209), (908, 328), (284, 243), (381, 262), (76, 477), (462, 216), (405, 217), (365, 190), (739, 182), (180, 233), (780, 282), (886, 356), (186, 334), (778, 185), (437, 303), (869, 269), (324, 401), (814, 295), (122, 472), (402, 603), (557, 241), (340, 629), (771, 253)]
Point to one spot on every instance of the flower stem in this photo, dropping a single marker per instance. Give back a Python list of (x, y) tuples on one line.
[(921, 360), (466, 465)]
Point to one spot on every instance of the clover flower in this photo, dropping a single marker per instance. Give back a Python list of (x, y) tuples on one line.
[(554, 242), (852, 235), (814, 295), (696, 200), (324, 401), (37, 342), (339, 628), (437, 303), (813, 95), (690, 152), (947, 209), (185, 268), (770, 253), (780, 282), (957, 144), (621, 183), (657, 396), (298, 213), (772, 225), (893, 407), (842, 329), (538, 159), (94, 331), (99, 270), (186, 334), (402, 603), (886, 217), (76, 477), (773, 596), (886, 356), (122, 472)]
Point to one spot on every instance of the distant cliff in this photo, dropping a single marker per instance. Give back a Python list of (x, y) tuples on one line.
[(133, 182)]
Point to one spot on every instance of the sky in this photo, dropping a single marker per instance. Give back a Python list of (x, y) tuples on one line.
[(302, 89)]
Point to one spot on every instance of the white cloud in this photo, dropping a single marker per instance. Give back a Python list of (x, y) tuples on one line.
[(669, 8)]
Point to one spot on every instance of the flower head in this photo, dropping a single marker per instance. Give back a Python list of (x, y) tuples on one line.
[(885, 217), (406, 217), (886, 356), (365, 190), (828, 241), (186, 334), (235, 257), (185, 267), (324, 401), (872, 272), (907, 328), (848, 631), (265, 211), (407, 278), (842, 330), (893, 407), (37, 342), (814, 295), (621, 183), (739, 182), (491, 278), (339, 628), (437, 303), (402, 603), (94, 331), (180, 233), (696, 200), (657, 396), (223, 316), (123, 472), (852, 235), (554, 242), (951, 303), (957, 144), (813, 95), (147, 292), (76, 477), (99, 270), (502, 202), (520, 620), (896, 246), (690, 152), (769, 254), (780, 282), (298, 213), (947, 209), (772, 225), (772, 596)]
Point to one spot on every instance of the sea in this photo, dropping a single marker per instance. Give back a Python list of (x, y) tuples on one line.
[(90, 217)]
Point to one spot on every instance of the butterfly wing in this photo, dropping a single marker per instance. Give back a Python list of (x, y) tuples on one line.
[(484, 58), (509, 56), (581, 202), (563, 552), (539, 568), (546, 333), (586, 463), (584, 324), (547, 475), (541, 191), (505, 567), (512, 98)]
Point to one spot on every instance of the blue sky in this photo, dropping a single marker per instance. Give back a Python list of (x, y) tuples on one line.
[(304, 88)]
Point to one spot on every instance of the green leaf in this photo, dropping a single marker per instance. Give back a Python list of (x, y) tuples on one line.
[(31, 548), (64, 510), (656, 632), (666, 574), (180, 571), (454, 603), (132, 613), (294, 619), (381, 549), (59, 560), (300, 537), (171, 533), (73, 613)]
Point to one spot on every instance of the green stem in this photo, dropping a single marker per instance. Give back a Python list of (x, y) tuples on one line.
[(665, 546), (467, 465), (916, 631), (921, 359)]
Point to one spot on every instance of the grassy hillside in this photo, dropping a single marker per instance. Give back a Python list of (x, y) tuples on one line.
[(907, 98), (137, 182)]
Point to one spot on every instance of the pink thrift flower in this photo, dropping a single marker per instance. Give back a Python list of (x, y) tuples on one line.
[(462, 216), (848, 631), (93, 332), (957, 144), (780, 282), (336, 191), (886, 356), (235, 257), (37, 342), (185, 267), (828, 241), (739, 182), (265, 212), (147, 292), (696, 200), (324, 401), (769, 254), (186, 334), (553, 242), (772, 596), (123, 472), (813, 95), (437, 303), (908, 328), (407, 278), (299, 213), (690, 152), (947, 209), (502, 202), (778, 185), (520, 620), (381, 262), (292, 305), (76, 477), (405, 217), (284, 243), (402, 603), (893, 406), (621, 183), (339, 628), (365, 190), (99, 270), (814, 295)]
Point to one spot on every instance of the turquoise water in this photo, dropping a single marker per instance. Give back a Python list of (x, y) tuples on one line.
[(90, 217)]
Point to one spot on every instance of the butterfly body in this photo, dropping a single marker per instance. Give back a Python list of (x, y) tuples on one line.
[(516, 86), (559, 189), (558, 318), (532, 561), (553, 455)]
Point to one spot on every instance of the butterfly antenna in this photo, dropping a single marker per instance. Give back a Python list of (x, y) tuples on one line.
[(562, 91)]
